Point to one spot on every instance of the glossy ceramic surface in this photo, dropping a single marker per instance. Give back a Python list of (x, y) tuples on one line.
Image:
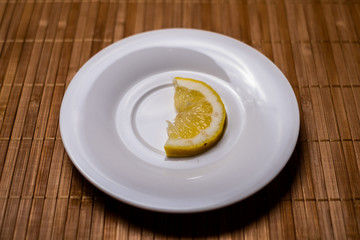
[(113, 115)]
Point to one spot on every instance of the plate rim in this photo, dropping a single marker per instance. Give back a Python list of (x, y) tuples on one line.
[(152, 207)]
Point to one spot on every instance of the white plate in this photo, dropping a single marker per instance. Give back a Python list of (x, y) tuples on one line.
[(113, 114)]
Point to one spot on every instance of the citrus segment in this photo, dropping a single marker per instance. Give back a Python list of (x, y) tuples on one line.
[(200, 119)]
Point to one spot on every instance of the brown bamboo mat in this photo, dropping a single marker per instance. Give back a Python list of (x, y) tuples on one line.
[(315, 43)]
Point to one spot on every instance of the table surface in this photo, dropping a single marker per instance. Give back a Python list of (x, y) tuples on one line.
[(316, 44)]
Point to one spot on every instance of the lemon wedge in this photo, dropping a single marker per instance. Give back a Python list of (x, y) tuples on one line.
[(200, 119)]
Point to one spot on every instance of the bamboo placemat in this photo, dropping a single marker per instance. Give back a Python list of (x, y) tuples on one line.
[(315, 43)]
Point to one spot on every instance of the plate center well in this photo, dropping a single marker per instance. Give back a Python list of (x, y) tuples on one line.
[(142, 112), (150, 114)]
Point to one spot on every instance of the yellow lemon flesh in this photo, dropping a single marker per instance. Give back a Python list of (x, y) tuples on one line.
[(200, 119)]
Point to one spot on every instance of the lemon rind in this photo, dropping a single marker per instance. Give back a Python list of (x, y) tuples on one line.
[(178, 147)]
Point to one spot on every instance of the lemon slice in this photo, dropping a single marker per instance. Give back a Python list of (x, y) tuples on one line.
[(199, 123)]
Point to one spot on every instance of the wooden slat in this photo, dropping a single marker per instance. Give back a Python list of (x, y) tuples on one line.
[(281, 53), (32, 112), (312, 219), (12, 105), (97, 221), (341, 67), (337, 220), (326, 229), (148, 225), (47, 218), (223, 220), (330, 22), (287, 215), (37, 47), (196, 15), (9, 218), (329, 114), (20, 168), (297, 22), (24, 21), (296, 165), (89, 26), (44, 62), (329, 64), (262, 224), (130, 18), (205, 15), (160, 226), (58, 226), (281, 16), (2, 10), (77, 45), (120, 222), (167, 13), (8, 11), (65, 177), (55, 170), (31, 170), (258, 17), (187, 15), (22, 218), (119, 27), (357, 213), (176, 15), (319, 63), (301, 230), (305, 169), (72, 218), (344, 23), (8, 169), (99, 28), (302, 78), (340, 112), (315, 13), (134, 231), (352, 167), (43, 170), (312, 154), (88, 190), (275, 221), (351, 112), (139, 19), (216, 18), (309, 131), (152, 16), (54, 112), (355, 17), (319, 113), (21, 112), (4, 62), (43, 114), (3, 202), (13, 20), (340, 170), (23, 63), (306, 53), (76, 184), (33, 225), (84, 227), (351, 56), (329, 171), (349, 219), (110, 24)]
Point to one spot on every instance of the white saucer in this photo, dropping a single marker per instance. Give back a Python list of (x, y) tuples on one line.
[(113, 115)]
